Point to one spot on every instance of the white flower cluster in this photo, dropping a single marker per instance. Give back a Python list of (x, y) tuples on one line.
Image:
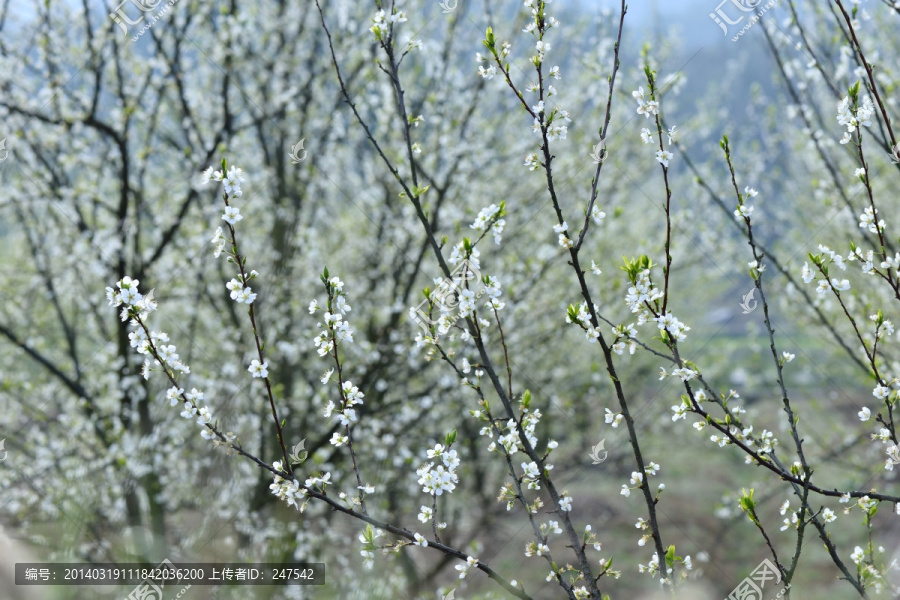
[(846, 116), (463, 569), (231, 180), (562, 230), (637, 479), (867, 570), (367, 539), (489, 218), (582, 317), (648, 108), (135, 304), (867, 221), (613, 418), (382, 23), (137, 307), (536, 549), (239, 292), (625, 338), (443, 478), (652, 568), (663, 157), (126, 294), (823, 260), (765, 441), (232, 215), (486, 73), (670, 323), (554, 132), (679, 411), (745, 211), (219, 240), (510, 440), (190, 410), (531, 475), (893, 456), (320, 482), (426, 513), (645, 107), (491, 70), (455, 297), (493, 293), (345, 413), (682, 373), (288, 490), (793, 521), (258, 370), (458, 253), (336, 328), (642, 291), (866, 259)]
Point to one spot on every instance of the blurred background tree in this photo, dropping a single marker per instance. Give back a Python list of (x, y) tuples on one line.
[(107, 136)]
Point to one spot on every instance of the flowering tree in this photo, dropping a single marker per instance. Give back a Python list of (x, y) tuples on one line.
[(350, 401)]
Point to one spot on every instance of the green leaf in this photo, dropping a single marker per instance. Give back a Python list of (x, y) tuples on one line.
[(670, 556), (489, 39), (450, 438)]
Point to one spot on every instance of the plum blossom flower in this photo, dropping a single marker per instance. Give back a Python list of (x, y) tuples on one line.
[(232, 182), (464, 569), (664, 156), (258, 370), (232, 215)]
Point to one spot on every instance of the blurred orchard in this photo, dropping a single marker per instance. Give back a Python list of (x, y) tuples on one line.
[(464, 299)]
